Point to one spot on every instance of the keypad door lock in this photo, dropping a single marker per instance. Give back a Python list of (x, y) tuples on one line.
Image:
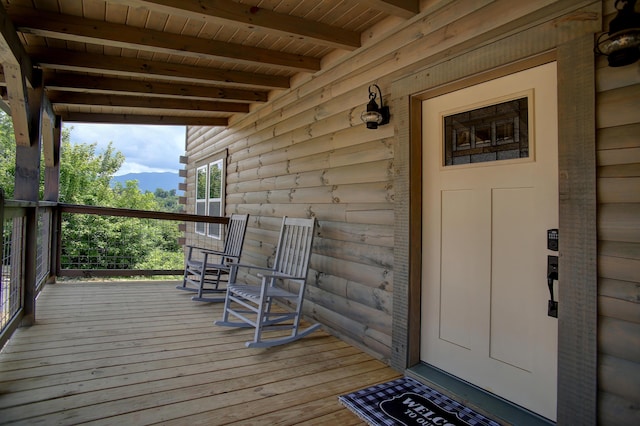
[(552, 239)]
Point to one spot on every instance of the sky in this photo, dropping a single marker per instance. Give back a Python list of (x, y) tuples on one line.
[(146, 148)]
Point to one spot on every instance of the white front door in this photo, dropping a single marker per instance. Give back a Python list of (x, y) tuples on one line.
[(489, 195)]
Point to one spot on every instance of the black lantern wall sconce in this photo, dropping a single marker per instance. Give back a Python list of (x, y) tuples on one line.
[(621, 45), (375, 116)]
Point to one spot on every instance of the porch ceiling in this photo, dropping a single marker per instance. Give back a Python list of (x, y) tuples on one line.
[(172, 61)]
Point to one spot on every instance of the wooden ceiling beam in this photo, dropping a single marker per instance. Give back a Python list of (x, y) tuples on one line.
[(132, 67), (253, 18), (73, 28), (71, 98), (402, 8), (87, 117), (107, 85)]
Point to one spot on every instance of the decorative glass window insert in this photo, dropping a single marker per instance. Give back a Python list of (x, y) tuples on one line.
[(209, 196), (491, 133)]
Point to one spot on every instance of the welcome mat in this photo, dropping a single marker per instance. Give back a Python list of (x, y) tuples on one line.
[(408, 402)]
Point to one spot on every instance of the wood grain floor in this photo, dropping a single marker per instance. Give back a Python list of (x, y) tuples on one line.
[(130, 353)]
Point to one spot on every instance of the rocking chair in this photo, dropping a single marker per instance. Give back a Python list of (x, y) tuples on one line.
[(204, 268), (254, 305)]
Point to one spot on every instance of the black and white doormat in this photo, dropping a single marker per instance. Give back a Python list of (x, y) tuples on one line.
[(408, 402)]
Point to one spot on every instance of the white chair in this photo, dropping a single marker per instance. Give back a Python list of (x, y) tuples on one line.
[(253, 305), (204, 268)]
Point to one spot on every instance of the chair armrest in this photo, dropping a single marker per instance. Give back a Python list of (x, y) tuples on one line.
[(214, 252), (280, 275), (246, 265), (201, 249), (269, 273), (234, 269)]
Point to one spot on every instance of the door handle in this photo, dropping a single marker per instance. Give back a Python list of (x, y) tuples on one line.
[(552, 275)]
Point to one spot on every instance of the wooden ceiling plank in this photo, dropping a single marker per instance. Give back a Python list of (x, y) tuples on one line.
[(87, 117), (254, 19), (134, 67), (106, 85), (402, 8), (72, 98), (107, 34)]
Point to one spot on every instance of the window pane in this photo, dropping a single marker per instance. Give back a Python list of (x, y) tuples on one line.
[(201, 183), (200, 209), (214, 210), (215, 180)]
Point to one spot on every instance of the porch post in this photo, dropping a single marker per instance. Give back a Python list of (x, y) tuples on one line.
[(52, 192), (578, 316), (27, 186), (52, 159)]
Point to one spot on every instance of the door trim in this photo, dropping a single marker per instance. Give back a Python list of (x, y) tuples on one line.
[(577, 346)]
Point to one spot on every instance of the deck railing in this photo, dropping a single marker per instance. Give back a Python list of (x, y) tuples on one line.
[(43, 241), (18, 288)]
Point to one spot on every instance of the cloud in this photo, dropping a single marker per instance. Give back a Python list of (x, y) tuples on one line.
[(146, 148)]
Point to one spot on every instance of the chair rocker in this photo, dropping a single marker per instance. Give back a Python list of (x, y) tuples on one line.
[(254, 305), (205, 268)]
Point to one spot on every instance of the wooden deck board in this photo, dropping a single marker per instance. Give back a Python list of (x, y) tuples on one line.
[(144, 353)]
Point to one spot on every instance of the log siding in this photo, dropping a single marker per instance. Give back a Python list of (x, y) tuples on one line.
[(618, 180), (306, 153)]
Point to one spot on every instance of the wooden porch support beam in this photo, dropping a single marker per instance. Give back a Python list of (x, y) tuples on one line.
[(59, 59), (18, 73), (52, 159), (52, 193), (47, 125), (168, 104), (27, 185), (88, 117), (118, 86), (26, 111), (27, 178)]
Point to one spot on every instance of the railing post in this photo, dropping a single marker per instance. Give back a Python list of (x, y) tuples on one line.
[(30, 256), (52, 193), (1, 239), (56, 229)]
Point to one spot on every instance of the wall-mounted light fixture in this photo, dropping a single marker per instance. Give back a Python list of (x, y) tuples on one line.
[(621, 45), (375, 116)]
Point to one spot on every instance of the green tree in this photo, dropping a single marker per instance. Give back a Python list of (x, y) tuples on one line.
[(85, 175), (167, 200), (7, 155), (102, 242)]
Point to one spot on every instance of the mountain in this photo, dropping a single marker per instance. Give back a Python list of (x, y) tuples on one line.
[(151, 181)]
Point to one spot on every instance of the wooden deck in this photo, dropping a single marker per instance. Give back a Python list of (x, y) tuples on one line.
[(141, 353)]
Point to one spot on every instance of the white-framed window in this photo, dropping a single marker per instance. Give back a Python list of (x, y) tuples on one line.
[(210, 195)]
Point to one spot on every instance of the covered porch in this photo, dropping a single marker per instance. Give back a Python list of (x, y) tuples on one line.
[(141, 352)]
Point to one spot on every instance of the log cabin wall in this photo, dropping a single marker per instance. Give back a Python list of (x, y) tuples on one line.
[(618, 161), (307, 153)]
